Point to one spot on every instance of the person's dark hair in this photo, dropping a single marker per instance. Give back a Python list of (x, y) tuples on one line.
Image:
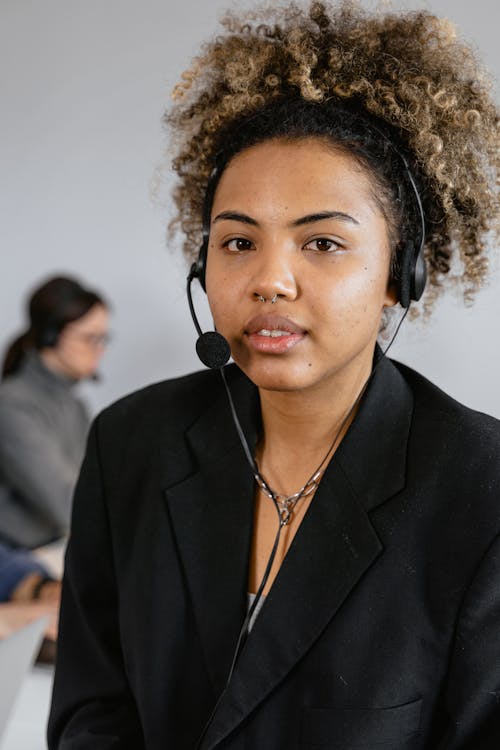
[(58, 301), (404, 73)]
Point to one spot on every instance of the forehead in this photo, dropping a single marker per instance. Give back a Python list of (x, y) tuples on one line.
[(95, 319), (295, 178)]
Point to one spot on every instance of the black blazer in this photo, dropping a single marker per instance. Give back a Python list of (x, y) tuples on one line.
[(381, 631)]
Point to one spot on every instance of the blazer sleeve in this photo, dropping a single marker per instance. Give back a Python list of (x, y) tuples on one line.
[(473, 686), (92, 704)]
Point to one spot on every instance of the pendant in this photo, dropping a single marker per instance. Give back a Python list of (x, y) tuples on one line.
[(285, 516), (286, 503), (286, 506)]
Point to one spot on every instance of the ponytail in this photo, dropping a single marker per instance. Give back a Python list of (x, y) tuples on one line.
[(15, 354)]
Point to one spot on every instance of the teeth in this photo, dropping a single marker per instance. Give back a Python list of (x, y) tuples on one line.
[(274, 333)]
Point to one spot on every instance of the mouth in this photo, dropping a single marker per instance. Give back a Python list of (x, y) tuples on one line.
[(273, 334)]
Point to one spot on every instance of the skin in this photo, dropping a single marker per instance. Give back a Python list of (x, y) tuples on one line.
[(50, 591), (15, 615), (78, 350), (23, 608), (270, 236)]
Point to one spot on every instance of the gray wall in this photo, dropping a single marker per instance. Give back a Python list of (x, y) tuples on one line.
[(82, 86)]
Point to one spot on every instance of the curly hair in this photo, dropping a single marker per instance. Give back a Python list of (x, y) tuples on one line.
[(405, 72)]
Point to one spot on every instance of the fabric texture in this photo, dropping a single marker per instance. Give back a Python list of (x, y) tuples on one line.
[(43, 428), (381, 629)]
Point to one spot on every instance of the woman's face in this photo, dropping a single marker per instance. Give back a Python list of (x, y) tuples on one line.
[(297, 221), (81, 344)]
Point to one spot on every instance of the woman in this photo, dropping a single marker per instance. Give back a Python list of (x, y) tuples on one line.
[(43, 425), (313, 561)]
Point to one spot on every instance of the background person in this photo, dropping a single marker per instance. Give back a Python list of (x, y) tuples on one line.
[(23, 577), (43, 425), (27, 592)]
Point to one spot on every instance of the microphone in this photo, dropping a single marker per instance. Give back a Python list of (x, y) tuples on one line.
[(211, 346)]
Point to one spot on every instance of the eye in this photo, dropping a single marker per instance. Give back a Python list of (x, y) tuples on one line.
[(322, 245), (238, 244)]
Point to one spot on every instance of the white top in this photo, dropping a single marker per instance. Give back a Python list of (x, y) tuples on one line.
[(251, 599)]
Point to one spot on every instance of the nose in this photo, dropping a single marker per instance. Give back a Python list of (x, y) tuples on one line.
[(274, 274)]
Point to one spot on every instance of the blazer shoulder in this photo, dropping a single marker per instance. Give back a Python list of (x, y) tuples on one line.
[(179, 401), (453, 466), (446, 418)]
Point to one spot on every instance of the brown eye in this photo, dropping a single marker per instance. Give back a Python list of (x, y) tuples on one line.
[(322, 245), (238, 244)]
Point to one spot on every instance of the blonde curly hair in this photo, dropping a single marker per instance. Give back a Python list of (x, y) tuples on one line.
[(406, 71)]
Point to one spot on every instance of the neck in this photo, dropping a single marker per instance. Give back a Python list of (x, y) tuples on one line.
[(52, 362), (312, 415), (299, 427)]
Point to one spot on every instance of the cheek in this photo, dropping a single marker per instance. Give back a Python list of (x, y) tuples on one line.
[(65, 350), (222, 296), (73, 353), (356, 299), (221, 309)]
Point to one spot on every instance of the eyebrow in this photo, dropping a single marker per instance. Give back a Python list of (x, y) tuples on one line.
[(309, 219)]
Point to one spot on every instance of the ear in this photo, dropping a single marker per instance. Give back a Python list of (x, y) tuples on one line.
[(391, 294)]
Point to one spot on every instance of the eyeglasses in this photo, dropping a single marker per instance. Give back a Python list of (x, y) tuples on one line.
[(95, 340)]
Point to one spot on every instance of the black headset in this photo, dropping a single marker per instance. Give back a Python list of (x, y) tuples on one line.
[(47, 338), (410, 279), (412, 274)]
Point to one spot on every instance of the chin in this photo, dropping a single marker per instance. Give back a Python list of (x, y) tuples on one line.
[(87, 375), (278, 375)]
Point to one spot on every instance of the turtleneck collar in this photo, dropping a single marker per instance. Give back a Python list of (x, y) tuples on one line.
[(35, 367)]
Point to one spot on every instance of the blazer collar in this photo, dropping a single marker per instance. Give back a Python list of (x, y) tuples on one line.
[(212, 515), (373, 452)]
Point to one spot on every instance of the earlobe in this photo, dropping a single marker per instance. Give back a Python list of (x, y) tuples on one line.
[(391, 294)]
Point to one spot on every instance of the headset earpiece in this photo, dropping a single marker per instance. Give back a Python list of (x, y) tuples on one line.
[(419, 276), (48, 338), (412, 275), (404, 275)]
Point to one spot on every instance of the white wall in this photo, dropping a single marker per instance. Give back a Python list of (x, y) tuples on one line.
[(83, 85)]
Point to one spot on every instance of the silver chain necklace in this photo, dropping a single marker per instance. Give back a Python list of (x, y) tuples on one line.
[(287, 503)]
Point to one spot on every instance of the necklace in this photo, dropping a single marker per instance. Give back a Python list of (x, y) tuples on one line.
[(287, 503)]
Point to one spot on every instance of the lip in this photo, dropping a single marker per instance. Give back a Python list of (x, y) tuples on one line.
[(272, 322), (258, 333)]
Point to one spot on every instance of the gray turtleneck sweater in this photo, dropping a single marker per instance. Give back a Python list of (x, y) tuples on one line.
[(43, 427)]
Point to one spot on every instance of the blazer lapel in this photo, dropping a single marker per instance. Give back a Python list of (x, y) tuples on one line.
[(211, 512), (334, 547), (373, 453)]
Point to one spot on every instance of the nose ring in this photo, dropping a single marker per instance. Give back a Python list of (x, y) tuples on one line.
[(273, 299)]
